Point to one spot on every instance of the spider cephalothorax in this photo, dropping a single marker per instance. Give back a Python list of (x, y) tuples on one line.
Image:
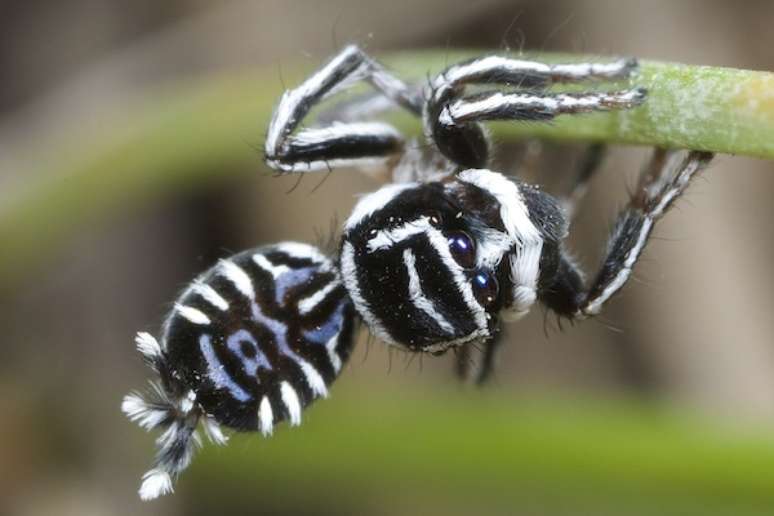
[(430, 266), (431, 262)]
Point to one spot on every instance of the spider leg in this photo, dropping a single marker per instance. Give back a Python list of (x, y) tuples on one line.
[(479, 369), (520, 73), (366, 105), (451, 119), (350, 143), (534, 106), (663, 181), (589, 165)]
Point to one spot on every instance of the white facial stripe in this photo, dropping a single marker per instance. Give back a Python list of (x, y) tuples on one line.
[(210, 295), (386, 238), (308, 304), (192, 314), (290, 399), (513, 209), (275, 270), (441, 245), (375, 201), (418, 296), (349, 276), (265, 417), (238, 277)]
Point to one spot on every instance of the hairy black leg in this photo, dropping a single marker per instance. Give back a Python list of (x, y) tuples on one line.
[(452, 120), (662, 182), (320, 148), (475, 362), (520, 73), (590, 164), (567, 291), (528, 106)]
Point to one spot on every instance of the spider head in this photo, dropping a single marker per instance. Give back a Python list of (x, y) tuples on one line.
[(432, 266)]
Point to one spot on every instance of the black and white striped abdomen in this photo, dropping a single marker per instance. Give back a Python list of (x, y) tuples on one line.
[(260, 335)]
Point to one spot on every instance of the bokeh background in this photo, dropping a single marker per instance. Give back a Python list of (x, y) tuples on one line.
[(665, 406)]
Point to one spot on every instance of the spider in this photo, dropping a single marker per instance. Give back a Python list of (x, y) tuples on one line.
[(430, 262)]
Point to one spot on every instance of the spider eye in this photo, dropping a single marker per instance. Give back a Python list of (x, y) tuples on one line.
[(435, 219), (462, 249), (485, 288)]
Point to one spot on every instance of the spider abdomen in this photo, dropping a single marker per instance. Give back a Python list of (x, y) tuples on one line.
[(260, 335)]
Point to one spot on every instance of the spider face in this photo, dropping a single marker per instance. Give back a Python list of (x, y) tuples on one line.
[(430, 265)]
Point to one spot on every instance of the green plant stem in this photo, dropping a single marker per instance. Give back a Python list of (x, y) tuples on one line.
[(197, 132), (497, 451)]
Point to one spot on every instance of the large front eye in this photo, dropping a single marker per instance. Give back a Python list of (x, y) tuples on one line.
[(462, 249), (485, 288)]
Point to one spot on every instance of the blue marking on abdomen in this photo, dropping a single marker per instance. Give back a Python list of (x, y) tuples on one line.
[(251, 364), (322, 334), (291, 279), (216, 371)]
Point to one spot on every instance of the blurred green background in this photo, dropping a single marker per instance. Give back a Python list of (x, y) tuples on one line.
[(120, 179)]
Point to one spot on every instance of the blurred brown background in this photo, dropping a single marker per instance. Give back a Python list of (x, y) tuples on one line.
[(694, 331)]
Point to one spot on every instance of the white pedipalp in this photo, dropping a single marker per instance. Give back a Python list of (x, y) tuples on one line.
[(525, 259)]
